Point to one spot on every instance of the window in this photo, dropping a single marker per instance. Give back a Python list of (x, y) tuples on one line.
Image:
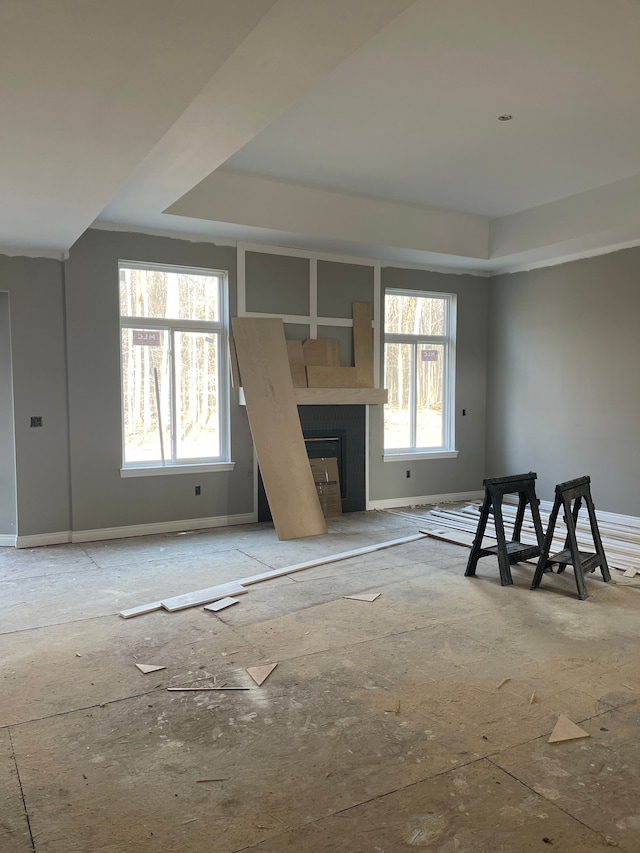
[(419, 373), (174, 366)]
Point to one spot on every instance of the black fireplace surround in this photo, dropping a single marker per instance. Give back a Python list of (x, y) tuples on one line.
[(332, 431)]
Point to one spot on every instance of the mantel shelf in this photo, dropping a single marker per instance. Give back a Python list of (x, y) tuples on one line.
[(336, 396)]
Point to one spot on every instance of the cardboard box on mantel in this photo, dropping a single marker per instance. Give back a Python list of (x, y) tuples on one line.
[(325, 476)]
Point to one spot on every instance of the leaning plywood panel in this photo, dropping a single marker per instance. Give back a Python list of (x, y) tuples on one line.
[(275, 427)]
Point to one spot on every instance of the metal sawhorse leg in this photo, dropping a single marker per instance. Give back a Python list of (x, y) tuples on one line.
[(513, 551), (582, 561)]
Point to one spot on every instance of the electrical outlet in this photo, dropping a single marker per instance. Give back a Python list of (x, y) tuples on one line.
[(464, 412), (408, 474), (36, 421), (198, 492)]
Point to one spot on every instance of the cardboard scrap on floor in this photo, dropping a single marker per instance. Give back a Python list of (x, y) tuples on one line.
[(365, 596), (564, 729), (149, 667), (261, 673)]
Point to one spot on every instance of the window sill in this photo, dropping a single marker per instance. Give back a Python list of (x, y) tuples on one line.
[(420, 454), (162, 470)]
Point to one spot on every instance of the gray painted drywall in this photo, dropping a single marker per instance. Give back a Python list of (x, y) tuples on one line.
[(564, 395), (387, 480), (7, 444), (36, 295), (100, 497)]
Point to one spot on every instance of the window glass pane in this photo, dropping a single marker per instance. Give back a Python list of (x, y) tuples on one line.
[(197, 372), (169, 295), (145, 356), (397, 379), (429, 395), (414, 315)]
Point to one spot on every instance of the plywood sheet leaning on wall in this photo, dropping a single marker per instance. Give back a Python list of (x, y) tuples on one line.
[(275, 427)]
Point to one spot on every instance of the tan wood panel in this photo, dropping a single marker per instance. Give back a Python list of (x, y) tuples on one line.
[(296, 364), (275, 427), (363, 343), (340, 396), (321, 351), (332, 377)]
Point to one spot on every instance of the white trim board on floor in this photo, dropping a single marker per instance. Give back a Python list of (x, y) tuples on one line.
[(79, 536), (602, 515), (424, 500), (7, 540)]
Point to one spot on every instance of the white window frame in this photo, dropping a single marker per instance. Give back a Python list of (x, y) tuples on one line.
[(448, 342), (172, 326)]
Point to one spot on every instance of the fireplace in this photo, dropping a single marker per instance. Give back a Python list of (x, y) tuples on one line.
[(338, 431)]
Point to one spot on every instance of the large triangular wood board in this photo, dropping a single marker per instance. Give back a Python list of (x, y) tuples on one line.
[(564, 729), (261, 673), (275, 427), (363, 343)]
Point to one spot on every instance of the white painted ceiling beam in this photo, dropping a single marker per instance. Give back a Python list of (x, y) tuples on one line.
[(293, 47), (259, 202)]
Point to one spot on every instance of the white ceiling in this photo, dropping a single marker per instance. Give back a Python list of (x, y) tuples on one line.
[(361, 126)]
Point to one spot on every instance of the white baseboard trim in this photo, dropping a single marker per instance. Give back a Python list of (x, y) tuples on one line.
[(37, 540), (79, 536), (7, 540), (421, 500)]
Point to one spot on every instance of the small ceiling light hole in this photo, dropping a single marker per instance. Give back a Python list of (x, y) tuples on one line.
[(505, 117)]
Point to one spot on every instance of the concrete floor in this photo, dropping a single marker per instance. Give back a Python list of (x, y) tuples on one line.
[(382, 729)]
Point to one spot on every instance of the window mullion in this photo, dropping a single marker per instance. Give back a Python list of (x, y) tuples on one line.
[(172, 394)]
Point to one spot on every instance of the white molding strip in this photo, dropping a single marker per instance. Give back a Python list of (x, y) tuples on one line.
[(79, 536), (7, 540), (422, 500), (602, 515), (264, 249), (37, 540)]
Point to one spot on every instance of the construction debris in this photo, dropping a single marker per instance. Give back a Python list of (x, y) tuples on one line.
[(261, 673), (221, 605), (564, 729), (365, 596), (146, 668), (504, 681)]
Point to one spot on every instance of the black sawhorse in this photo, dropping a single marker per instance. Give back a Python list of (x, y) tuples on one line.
[(582, 561), (514, 551)]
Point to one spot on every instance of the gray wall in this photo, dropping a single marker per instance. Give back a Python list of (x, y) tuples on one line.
[(101, 498), (564, 394), (36, 296), (7, 444), (466, 472)]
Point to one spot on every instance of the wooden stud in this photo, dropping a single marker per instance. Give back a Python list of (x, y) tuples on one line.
[(275, 427)]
